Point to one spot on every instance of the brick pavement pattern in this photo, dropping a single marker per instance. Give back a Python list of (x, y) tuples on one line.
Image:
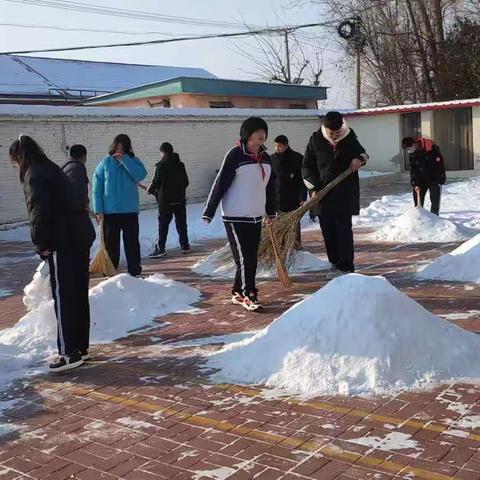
[(142, 411)]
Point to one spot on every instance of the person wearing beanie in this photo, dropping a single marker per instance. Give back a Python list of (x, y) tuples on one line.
[(245, 185), (289, 187), (331, 150), (427, 170)]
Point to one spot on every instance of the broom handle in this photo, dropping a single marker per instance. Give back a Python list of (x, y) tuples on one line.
[(286, 282), (333, 183), (274, 241), (419, 197), (102, 236)]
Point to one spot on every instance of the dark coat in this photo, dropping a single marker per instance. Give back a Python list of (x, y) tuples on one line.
[(46, 192), (322, 163), (289, 187), (169, 182), (81, 227), (427, 168)]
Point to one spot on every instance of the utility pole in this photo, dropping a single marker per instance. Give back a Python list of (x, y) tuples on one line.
[(351, 31), (287, 53), (359, 78)]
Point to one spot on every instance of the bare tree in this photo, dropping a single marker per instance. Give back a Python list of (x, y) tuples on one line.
[(282, 57), (405, 52)]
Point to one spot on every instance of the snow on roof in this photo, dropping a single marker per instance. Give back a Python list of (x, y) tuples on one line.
[(417, 107), (36, 75), (46, 110)]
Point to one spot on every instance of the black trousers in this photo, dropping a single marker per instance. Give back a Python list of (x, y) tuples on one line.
[(69, 282), (435, 195), (127, 224), (338, 237), (165, 216), (244, 239)]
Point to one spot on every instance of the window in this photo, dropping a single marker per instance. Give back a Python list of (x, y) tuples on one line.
[(216, 104)]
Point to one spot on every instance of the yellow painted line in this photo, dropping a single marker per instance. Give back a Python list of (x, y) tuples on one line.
[(323, 406), (328, 451), (356, 412)]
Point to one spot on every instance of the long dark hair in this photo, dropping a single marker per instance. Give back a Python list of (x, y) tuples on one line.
[(125, 141), (25, 151)]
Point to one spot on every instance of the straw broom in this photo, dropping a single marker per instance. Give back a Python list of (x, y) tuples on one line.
[(282, 273), (285, 227), (102, 263)]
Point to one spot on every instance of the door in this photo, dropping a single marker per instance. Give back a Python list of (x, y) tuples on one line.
[(453, 134), (411, 124)]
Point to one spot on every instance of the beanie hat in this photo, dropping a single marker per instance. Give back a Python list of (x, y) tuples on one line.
[(333, 120), (251, 125)]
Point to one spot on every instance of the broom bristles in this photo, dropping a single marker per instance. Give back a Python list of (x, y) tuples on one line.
[(102, 263), (281, 269), (285, 230)]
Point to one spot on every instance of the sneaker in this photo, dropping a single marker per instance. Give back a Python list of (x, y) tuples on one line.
[(237, 298), (66, 362), (186, 251), (85, 354), (157, 253), (251, 303)]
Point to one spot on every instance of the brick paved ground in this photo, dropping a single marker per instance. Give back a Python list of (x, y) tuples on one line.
[(144, 411)]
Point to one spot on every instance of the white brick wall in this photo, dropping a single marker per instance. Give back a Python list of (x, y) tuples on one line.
[(200, 141)]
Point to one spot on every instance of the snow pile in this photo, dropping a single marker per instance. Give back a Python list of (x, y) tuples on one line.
[(220, 264), (118, 305), (461, 265), (357, 335), (454, 206), (38, 291), (416, 225)]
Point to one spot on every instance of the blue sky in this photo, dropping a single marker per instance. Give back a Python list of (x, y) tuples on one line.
[(220, 56)]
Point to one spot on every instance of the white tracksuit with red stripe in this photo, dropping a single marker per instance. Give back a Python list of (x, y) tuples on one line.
[(245, 186)]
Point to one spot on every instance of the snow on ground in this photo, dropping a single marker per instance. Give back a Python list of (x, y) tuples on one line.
[(391, 442), (460, 203), (4, 292), (416, 225), (372, 173), (198, 231), (220, 264), (118, 306), (460, 265), (357, 335)]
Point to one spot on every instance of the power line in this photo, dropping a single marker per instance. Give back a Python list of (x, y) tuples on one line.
[(92, 30), (121, 12), (265, 31)]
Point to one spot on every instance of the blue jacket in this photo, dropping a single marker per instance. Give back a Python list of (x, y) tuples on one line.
[(115, 183)]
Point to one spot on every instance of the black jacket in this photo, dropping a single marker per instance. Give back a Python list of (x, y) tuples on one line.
[(169, 182), (427, 168), (46, 192), (322, 163), (289, 187), (81, 229)]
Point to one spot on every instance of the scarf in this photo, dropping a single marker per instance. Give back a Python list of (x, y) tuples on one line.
[(256, 156), (344, 131)]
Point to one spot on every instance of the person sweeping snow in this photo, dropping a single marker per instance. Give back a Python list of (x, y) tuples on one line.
[(331, 150), (62, 235), (245, 185), (427, 170), (289, 187)]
